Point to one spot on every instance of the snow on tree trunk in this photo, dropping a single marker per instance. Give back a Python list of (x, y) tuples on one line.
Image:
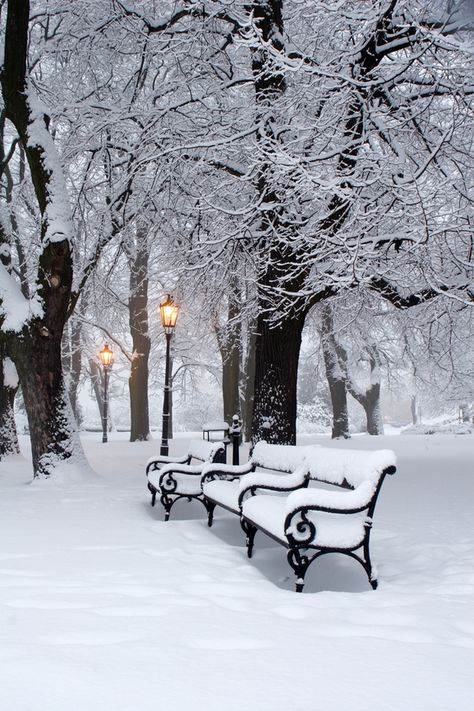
[(370, 397), (276, 375), (72, 362), (138, 319), (38, 360), (373, 411), (35, 345), (8, 387), (336, 377)]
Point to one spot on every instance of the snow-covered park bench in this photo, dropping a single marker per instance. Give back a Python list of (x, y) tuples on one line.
[(221, 482), (311, 521), (176, 478)]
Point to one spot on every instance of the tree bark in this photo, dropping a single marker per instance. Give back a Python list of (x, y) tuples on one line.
[(249, 382), (138, 319), (336, 377), (73, 364), (38, 361), (36, 351), (229, 340), (370, 398), (373, 411), (277, 344), (8, 432), (276, 374), (96, 380)]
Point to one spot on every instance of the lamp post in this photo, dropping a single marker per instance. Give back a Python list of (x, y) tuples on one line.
[(106, 358), (169, 315)]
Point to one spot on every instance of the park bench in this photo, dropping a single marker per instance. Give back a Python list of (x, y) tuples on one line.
[(175, 478), (220, 482), (311, 521)]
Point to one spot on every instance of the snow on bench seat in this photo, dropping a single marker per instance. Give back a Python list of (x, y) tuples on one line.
[(222, 484), (269, 514), (175, 478)]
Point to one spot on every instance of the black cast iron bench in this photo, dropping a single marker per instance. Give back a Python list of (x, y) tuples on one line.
[(313, 521), (221, 482), (175, 478)]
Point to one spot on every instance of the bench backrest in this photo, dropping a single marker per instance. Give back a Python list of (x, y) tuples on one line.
[(206, 451), (280, 457), (349, 468)]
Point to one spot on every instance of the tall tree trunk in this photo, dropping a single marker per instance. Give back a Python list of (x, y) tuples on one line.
[(373, 411), (370, 397), (229, 340), (249, 381), (96, 380), (336, 377), (230, 382), (36, 351), (38, 360), (72, 362), (8, 387), (138, 319), (278, 342), (276, 374)]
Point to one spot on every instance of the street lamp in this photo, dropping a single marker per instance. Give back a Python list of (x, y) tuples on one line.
[(106, 358), (169, 315)]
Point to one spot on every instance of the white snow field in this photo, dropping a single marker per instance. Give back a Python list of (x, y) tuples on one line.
[(104, 607)]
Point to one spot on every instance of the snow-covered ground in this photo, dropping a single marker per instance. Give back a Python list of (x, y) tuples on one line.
[(103, 607)]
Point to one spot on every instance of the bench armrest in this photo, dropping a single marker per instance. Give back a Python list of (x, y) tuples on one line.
[(229, 472), (272, 482), (167, 480), (347, 501), (159, 460)]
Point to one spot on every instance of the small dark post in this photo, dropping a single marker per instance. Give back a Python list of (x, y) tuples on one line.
[(235, 435)]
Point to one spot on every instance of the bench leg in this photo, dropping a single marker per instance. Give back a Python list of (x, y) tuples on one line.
[(368, 565), (152, 491), (250, 532), (210, 506), (167, 503), (300, 564)]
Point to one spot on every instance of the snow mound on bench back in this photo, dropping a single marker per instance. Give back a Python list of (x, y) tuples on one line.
[(353, 466), (202, 449), (281, 457)]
